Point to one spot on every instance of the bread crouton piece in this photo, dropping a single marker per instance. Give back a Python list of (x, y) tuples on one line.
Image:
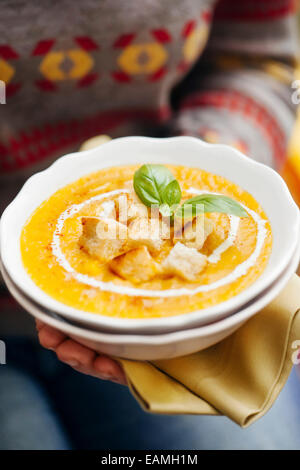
[(130, 207), (137, 210), (194, 232), (148, 232), (103, 239), (136, 265), (107, 210), (185, 262)]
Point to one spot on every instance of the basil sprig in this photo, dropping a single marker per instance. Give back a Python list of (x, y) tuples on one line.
[(210, 203), (156, 185)]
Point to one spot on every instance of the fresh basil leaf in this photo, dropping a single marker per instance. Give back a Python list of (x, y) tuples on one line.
[(149, 182), (171, 194), (211, 203)]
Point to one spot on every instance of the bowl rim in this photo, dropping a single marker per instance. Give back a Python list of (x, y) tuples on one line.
[(171, 322), (164, 338)]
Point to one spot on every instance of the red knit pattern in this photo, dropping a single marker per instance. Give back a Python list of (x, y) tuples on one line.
[(188, 28), (253, 10), (160, 73), (8, 53), (121, 77), (86, 43), (43, 47), (12, 88), (123, 40), (46, 85), (88, 79), (161, 35), (40, 143), (249, 109)]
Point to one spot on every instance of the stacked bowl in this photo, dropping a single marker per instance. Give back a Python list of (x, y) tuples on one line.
[(172, 336)]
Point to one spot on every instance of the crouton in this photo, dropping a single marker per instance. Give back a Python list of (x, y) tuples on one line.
[(130, 207), (107, 210), (136, 265), (148, 232), (137, 210), (184, 262), (194, 232), (103, 239)]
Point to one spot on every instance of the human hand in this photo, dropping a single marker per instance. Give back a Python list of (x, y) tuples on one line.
[(70, 352), (79, 357)]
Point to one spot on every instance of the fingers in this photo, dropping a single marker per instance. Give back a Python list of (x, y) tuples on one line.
[(81, 358), (75, 355), (120, 379), (86, 361), (39, 325), (49, 337), (109, 369)]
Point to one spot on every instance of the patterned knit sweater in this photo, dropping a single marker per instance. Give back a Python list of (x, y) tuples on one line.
[(218, 70)]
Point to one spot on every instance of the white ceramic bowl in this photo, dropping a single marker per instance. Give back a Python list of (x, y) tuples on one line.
[(262, 182), (159, 346)]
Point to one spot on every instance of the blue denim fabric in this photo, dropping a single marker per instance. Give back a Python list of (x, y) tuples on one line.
[(46, 405)]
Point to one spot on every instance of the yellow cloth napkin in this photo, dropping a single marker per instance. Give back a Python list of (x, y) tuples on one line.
[(240, 377)]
